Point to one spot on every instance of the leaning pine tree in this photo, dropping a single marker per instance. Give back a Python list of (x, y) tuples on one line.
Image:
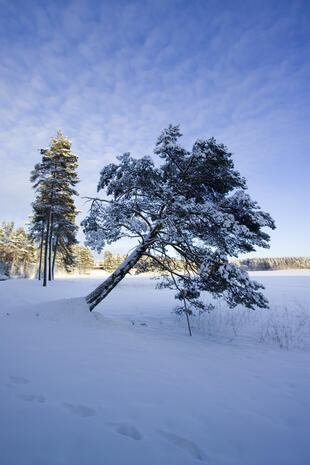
[(194, 206), (53, 220)]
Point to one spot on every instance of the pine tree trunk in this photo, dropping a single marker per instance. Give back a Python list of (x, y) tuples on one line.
[(54, 258), (50, 250), (95, 297), (46, 250), (41, 251)]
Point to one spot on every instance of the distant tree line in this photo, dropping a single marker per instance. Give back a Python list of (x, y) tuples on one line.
[(278, 263), (19, 256), (145, 264)]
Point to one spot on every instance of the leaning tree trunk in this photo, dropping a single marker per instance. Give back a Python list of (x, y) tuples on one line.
[(95, 297)]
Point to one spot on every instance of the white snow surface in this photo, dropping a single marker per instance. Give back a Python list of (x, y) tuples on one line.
[(126, 385)]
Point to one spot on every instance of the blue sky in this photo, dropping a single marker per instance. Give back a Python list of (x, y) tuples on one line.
[(113, 74)]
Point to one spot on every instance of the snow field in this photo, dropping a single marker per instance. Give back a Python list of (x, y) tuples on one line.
[(126, 384)]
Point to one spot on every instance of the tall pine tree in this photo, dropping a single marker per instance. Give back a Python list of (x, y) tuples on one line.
[(54, 211)]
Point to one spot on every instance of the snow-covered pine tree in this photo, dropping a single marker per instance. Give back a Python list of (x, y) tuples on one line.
[(6, 247), (194, 205), (84, 259), (17, 252), (53, 220), (24, 252), (108, 261)]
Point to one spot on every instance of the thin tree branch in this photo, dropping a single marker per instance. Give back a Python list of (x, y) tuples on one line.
[(167, 268)]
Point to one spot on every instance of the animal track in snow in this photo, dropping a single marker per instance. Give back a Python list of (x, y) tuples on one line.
[(19, 380), (32, 398), (80, 410), (128, 430), (183, 443)]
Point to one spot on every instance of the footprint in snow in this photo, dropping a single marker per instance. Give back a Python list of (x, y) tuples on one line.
[(32, 398), (80, 410), (128, 430), (19, 380), (183, 443)]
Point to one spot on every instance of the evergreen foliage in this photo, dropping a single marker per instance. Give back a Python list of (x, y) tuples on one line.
[(195, 203), (53, 220), (19, 256), (17, 251), (83, 259), (109, 262)]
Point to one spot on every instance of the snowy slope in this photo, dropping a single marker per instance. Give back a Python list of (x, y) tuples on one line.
[(126, 384)]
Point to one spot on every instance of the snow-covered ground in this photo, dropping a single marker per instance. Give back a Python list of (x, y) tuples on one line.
[(126, 384)]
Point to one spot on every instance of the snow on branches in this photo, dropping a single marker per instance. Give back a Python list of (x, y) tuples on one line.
[(193, 206)]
